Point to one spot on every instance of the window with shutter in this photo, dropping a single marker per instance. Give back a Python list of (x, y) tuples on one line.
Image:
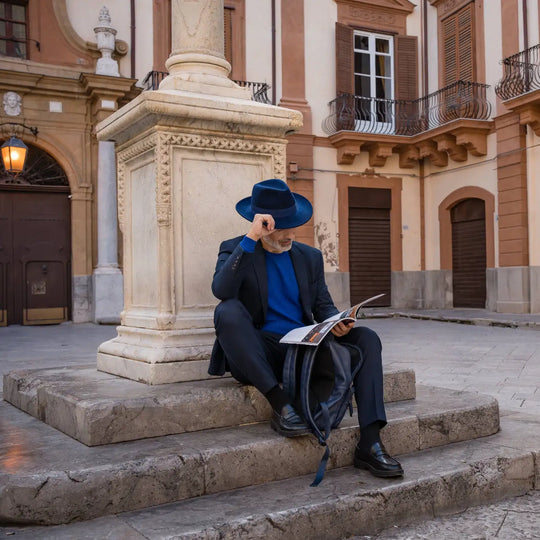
[(13, 26), (376, 68), (458, 46), (374, 79)]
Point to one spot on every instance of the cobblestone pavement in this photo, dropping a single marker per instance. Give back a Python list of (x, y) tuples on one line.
[(515, 519), (501, 360)]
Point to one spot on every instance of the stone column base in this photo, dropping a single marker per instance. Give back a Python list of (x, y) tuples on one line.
[(157, 356), (108, 285)]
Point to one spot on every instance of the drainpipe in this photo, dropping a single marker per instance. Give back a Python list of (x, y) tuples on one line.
[(525, 26), (273, 52), (425, 80), (132, 11)]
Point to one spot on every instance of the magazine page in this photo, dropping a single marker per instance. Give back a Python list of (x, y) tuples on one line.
[(310, 335), (315, 333), (352, 312)]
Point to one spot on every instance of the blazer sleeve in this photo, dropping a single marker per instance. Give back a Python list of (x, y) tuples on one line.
[(230, 268)]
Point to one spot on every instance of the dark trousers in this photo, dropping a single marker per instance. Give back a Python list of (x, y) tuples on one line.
[(256, 357)]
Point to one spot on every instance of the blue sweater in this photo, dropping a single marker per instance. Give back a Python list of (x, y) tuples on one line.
[(284, 307)]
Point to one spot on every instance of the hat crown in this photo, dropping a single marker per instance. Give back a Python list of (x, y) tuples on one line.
[(272, 197)]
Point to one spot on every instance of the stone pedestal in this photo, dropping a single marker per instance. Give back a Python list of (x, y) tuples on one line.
[(186, 154), (184, 160)]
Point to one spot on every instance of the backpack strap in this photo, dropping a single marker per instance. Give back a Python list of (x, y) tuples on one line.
[(347, 360), (289, 371)]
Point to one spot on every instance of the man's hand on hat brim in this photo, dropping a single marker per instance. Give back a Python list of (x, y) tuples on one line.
[(262, 225)]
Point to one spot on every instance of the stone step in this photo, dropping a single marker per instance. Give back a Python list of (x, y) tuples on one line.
[(49, 478), (98, 408), (351, 503)]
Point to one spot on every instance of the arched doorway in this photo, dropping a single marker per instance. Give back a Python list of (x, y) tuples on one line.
[(35, 243), (468, 219)]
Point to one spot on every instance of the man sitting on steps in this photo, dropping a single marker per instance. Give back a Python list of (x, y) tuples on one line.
[(269, 284)]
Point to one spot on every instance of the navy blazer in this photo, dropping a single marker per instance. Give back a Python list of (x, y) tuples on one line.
[(242, 275)]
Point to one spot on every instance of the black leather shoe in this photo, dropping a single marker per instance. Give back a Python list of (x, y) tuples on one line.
[(378, 462), (288, 423)]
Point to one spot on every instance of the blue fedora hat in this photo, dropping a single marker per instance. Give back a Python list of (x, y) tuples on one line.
[(274, 197)]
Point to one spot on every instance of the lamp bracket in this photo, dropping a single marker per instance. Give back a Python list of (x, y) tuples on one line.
[(33, 130)]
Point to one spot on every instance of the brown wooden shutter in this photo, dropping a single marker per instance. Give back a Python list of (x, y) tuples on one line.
[(465, 43), (458, 46), (469, 253), (227, 20), (344, 59), (406, 67), (369, 244), (406, 83), (344, 77)]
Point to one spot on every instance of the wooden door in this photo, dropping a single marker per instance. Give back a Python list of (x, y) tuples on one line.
[(6, 253), (469, 253), (369, 245), (35, 257)]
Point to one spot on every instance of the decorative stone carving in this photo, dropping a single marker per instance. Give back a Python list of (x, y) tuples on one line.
[(379, 153), (105, 35), (161, 144), (429, 149), (447, 143), (389, 15), (12, 104), (446, 7), (408, 156), (475, 141)]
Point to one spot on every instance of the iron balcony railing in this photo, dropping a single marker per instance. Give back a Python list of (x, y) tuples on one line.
[(461, 99), (259, 91), (521, 74)]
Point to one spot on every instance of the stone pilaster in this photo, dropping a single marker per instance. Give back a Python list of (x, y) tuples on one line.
[(107, 277)]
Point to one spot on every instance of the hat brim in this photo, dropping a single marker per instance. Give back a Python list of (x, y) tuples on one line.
[(303, 214)]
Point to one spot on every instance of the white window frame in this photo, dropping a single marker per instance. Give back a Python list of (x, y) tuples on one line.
[(363, 125)]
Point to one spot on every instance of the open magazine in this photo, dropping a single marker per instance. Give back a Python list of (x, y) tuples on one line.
[(315, 333)]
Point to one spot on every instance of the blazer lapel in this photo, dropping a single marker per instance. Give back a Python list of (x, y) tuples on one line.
[(300, 270), (259, 263)]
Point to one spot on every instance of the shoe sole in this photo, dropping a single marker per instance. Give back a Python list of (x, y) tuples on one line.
[(376, 472), (289, 433)]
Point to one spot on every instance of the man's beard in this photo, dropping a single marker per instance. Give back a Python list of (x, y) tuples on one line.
[(275, 246)]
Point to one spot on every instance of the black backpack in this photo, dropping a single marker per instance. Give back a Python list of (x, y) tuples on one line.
[(319, 381)]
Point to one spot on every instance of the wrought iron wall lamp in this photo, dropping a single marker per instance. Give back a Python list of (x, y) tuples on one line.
[(14, 151)]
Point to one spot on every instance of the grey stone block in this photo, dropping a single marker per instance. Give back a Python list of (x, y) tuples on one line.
[(349, 502), (55, 479), (98, 408)]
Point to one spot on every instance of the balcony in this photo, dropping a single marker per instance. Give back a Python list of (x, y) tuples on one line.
[(259, 91), (521, 74), (446, 123), (520, 86)]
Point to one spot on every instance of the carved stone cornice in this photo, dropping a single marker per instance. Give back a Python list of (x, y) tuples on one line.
[(445, 7), (389, 15), (455, 140)]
